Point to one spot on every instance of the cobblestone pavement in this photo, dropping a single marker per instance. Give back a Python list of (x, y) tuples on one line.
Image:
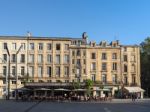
[(114, 106)]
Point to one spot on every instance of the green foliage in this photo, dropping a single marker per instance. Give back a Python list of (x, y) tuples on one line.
[(88, 84), (76, 85), (145, 63)]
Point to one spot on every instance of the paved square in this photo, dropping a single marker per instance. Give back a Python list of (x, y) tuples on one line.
[(13, 106)]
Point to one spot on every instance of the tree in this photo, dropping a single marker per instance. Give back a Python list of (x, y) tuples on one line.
[(76, 85), (145, 65), (88, 84)]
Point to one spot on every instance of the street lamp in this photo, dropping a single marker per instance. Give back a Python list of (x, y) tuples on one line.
[(16, 93), (8, 76)]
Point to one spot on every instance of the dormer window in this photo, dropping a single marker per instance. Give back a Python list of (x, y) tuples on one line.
[(114, 45), (103, 44), (93, 44)]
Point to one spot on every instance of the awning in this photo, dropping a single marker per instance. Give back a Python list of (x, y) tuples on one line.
[(61, 89), (80, 90), (42, 89), (134, 89)]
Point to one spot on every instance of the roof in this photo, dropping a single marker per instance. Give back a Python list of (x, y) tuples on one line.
[(37, 38)]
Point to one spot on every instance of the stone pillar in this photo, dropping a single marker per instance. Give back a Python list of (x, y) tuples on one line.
[(101, 93), (94, 93), (142, 95), (46, 93)]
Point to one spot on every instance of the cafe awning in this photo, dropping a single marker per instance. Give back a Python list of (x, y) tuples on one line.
[(134, 89), (61, 89), (80, 90), (42, 89)]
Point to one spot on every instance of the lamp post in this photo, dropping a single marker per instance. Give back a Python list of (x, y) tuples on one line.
[(8, 76), (16, 94)]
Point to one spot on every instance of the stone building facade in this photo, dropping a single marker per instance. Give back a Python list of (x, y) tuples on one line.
[(54, 59)]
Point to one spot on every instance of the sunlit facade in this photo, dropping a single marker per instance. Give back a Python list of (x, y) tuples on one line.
[(52, 59)]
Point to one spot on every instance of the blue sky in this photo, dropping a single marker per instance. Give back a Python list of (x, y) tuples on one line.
[(124, 20)]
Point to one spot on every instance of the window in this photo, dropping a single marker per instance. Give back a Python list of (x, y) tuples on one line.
[(133, 79), (4, 81), (57, 59), (133, 58), (14, 47), (40, 46), (104, 79), (114, 66), (31, 46), (49, 81), (78, 71), (103, 44), (22, 60), (40, 71), (93, 66), (49, 71), (114, 56), (84, 61), (84, 53), (73, 70), (58, 71), (49, 46), (66, 46), (40, 58), (66, 59), (78, 53), (125, 79), (93, 77), (4, 70), (13, 70), (78, 62), (13, 82), (49, 58), (104, 56), (125, 58), (84, 71), (114, 78), (22, 70), (66, 81), (104, 66), (93, 56), (114, 45), (31, 58), (57, 46), (72, 61), (73, 53), (66, 71), (125, 68), (58, 81), (23, 46), (13, 58), (5, 57), (40, 81), (4, 45), (133, 68), (31, 71)]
